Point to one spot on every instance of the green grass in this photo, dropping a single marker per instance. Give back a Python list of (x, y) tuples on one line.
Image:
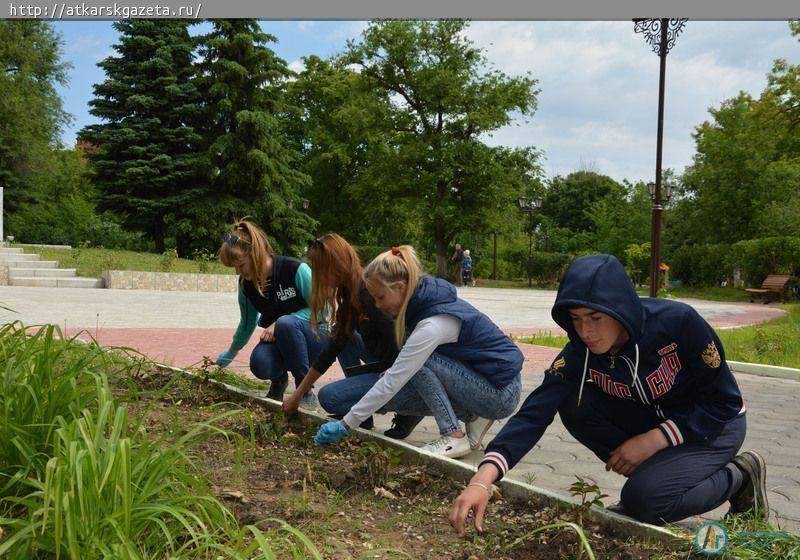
[(91, 261), (775, 342), (80, 478)]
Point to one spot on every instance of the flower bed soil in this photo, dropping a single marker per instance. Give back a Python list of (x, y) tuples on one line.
[(352, 499)]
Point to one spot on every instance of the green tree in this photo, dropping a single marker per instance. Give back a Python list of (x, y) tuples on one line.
[(145, 165), (342, 128), (443, 98), (31, 113), (576, 205), (621, 218), (253, 170)]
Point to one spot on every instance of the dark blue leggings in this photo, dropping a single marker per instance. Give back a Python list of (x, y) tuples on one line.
[(675, 483)]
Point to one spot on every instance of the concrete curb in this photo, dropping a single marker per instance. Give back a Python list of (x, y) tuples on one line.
[(765, 370), (515, 490)]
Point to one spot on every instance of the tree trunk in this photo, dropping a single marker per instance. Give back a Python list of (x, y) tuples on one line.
[(441, 258)]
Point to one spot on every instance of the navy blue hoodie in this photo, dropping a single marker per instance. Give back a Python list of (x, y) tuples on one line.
[(673, 364)]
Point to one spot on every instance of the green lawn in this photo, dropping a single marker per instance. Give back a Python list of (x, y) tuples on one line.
[(91, 261)]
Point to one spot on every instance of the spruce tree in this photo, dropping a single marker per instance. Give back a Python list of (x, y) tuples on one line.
[(253, 168), (146, 164)]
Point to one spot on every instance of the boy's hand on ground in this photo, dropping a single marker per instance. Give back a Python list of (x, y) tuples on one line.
[(635, 451), (225, 358), (330, 432), (472, 499)]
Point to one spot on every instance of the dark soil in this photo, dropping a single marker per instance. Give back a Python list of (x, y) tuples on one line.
[(352, 499)]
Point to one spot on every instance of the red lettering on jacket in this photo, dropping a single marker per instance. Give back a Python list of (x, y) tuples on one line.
[(607, 384), (663, 378)]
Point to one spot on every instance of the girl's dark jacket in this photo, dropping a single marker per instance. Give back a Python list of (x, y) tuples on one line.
[(673, 364)]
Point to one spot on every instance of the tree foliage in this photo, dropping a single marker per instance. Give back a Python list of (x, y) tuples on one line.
[(253, 169), (441, 98), (146, 163), (31, 112)]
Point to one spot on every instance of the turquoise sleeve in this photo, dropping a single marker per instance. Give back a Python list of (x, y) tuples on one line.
[(248, 318), (302, 279)]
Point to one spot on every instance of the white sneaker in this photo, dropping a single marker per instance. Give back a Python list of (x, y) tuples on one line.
[(447, 446), (477, 430)]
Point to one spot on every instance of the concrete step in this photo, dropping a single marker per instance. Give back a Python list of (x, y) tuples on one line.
[(41, 282), (10, 251), (30, 264), (42, 272), (19, 257)]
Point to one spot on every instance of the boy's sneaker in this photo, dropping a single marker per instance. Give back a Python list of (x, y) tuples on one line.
[(477, 430), (277, 387), (402, 426), (447, 446), (309, 400), (752, 496)]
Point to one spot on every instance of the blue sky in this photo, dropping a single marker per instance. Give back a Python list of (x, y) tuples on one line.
[(598, 79)]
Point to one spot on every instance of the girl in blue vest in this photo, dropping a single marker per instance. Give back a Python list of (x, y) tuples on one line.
[(273, 293), (643, 383), (454, 363)]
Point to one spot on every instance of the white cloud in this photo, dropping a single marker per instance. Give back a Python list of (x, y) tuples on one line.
[(297, 66)]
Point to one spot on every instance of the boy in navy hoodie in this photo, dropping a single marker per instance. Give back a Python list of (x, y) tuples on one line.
[(644, 384)]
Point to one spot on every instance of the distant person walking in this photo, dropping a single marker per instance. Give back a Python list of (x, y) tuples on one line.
[(466, 265), (458, 259)]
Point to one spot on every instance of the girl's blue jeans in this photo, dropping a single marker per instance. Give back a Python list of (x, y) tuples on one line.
[(295, 347), (443, 388)]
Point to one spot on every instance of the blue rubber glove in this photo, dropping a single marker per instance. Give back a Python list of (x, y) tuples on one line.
[(224, 359), (330, 432)]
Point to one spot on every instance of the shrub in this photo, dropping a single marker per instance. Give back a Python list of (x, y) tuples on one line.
[(702, 265), (758, 258)]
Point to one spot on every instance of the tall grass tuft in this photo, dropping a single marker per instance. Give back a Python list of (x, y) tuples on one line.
[(82, 480), (44, 378)]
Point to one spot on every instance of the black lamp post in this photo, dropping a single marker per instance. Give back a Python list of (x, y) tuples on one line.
[(661, 35), (530, 206), (658, 199)]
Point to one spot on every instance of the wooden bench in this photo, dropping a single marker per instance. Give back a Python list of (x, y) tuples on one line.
[(774, 285)]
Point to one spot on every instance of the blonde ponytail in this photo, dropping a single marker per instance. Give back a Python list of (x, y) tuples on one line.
[(398, 264)]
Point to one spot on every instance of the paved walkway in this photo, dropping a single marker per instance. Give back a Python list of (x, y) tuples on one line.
[(180, 328)]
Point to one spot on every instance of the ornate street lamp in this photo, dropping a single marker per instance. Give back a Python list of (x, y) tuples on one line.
[(661, 35), (529, 206)]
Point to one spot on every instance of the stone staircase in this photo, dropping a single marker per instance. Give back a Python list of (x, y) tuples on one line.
[(25, 269)]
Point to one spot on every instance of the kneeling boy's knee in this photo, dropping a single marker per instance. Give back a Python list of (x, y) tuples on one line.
[(638, 501)]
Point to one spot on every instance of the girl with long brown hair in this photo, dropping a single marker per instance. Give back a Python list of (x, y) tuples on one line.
[(339, 296)]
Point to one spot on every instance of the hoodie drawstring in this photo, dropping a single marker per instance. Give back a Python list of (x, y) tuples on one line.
[(583, 377), (636, 363)]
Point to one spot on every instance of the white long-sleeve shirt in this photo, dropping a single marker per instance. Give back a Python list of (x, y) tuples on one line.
[(421, 343)]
